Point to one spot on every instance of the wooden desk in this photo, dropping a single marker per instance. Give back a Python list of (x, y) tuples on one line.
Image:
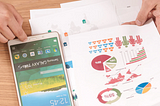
[(8, 96)]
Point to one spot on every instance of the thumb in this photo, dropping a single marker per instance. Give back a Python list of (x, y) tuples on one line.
[(156, 13), (158, 24), (144, 12)]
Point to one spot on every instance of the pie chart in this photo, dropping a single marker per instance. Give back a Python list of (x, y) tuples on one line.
[(110, 64), (104, 62), (143, 88), (110, 95)]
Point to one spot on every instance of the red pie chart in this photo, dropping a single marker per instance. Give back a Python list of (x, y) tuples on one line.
[(104, 62)]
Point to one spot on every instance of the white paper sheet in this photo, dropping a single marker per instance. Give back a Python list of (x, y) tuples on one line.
[(77, 20), (37, 13), (117, 3), (127, 14), (126, 10), (117, 66), (125, 3), (76, 4)]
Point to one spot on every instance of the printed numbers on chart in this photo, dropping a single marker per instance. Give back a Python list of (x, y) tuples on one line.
[(60, 101), (109, 95)]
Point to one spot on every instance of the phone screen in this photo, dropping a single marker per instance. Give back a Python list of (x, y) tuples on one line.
[(40, 73)]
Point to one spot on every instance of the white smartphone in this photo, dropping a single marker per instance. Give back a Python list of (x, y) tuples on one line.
[(39, 71)]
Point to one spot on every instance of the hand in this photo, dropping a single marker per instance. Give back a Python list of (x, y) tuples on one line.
[(149, 9), (10, 24)]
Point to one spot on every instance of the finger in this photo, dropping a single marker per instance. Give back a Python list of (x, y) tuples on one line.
[(147, 6), (7, 33), (158, 23), (150, 15), (3, 39), (16, 14), (17, 30), (129, 23), (156, 13)]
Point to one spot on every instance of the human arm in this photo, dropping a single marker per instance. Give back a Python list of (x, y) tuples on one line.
[(10, 23)]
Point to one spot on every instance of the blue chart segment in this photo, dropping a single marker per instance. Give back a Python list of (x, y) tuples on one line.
[(143, 88)]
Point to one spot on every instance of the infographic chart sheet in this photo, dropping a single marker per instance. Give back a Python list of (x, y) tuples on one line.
[(117, 66)]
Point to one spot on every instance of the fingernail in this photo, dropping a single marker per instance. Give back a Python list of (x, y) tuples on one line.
[(138, 22), (25, 40)]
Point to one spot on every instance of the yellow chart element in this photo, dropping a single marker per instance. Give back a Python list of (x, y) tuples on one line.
[(147, 88)]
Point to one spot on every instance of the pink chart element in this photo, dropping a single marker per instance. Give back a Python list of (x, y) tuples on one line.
[(118, 43), (137, 60), (107, 69), (133, 76), (107, 75), (140, 56), (139, 40), (97, 62), (141, 52), (128, 72), (112, 97), (100, 97), (132, 41), (115, 80)]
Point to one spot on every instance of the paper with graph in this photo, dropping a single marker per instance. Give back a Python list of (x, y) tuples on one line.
[(117, 66)]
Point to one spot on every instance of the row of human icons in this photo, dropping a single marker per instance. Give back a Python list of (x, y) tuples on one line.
[(32, 54)]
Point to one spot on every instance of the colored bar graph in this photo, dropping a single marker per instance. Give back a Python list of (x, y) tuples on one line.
[(141, 55)]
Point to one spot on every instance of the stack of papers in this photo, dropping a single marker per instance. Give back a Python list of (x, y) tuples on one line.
[(116, 62), (117, 66)]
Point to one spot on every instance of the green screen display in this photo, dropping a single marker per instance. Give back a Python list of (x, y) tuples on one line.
[(40, 73)]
